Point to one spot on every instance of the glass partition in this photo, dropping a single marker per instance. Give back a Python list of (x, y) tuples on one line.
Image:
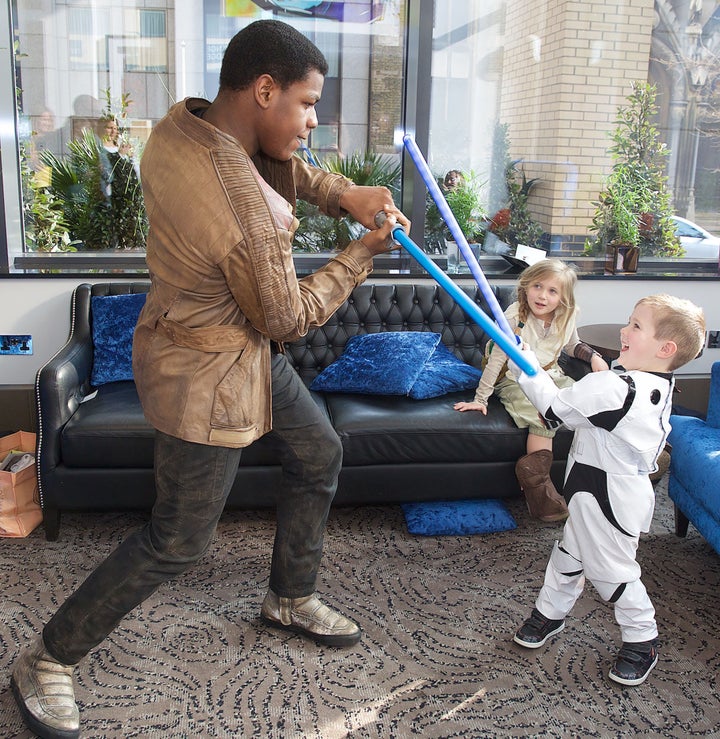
[(514, 103)]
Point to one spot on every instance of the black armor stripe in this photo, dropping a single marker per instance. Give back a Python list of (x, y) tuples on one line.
[(588, 479), (608, 420)]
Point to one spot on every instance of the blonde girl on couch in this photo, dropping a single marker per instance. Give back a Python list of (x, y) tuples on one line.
[(544, 317)]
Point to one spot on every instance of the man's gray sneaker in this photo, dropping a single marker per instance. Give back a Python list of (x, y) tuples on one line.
[(43, 689), (310, 617)]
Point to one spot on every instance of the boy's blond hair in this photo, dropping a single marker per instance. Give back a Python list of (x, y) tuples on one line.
[(678, 320), (565, 274)]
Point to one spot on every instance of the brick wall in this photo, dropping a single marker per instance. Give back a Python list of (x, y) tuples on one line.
[(567, 67)]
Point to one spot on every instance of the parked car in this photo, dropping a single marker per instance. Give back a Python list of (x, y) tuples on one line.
[(697, 242)]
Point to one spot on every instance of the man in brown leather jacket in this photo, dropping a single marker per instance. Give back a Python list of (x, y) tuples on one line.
[(220, 182)]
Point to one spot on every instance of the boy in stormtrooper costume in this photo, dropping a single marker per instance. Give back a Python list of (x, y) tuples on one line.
[(621, 422)]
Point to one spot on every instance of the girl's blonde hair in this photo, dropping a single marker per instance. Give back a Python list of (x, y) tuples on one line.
[(561, 271)]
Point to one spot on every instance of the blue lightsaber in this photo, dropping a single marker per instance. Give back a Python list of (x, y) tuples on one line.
[(507, 344)]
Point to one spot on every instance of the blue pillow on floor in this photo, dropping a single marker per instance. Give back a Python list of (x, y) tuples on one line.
[(457, 517), (113, 324)]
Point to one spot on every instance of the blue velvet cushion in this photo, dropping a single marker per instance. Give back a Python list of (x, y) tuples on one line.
[(457, 517), (113, 323), (444, 373), (413, 363)]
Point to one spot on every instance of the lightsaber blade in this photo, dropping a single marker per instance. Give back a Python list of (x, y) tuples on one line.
[(458, 235), (507, 344)]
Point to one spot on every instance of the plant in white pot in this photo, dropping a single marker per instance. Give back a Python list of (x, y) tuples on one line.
[(462, 192)]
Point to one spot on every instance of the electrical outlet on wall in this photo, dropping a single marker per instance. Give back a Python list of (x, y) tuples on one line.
[(15, 344), (713, 340)]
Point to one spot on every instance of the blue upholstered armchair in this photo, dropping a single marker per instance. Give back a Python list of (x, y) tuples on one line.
[(694, 483)]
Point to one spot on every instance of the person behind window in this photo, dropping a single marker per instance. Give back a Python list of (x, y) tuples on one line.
[(544, 318), (621, 423), (453, 178), (112, 139), (220, 181), (45, 137)]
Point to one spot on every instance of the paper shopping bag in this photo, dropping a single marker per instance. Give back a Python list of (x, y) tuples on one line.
[(20, 510)]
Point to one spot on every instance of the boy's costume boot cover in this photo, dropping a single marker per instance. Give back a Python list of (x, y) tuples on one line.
[(543, 500)]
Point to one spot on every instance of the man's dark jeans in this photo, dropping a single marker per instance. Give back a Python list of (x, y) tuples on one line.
[(192, 484)]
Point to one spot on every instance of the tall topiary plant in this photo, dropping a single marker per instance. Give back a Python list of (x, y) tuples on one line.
[(635, 206)]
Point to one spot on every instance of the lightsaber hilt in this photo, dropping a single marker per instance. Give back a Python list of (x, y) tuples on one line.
[(472, 309)]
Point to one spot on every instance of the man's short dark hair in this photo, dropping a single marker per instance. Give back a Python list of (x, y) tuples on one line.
[(269, 47)]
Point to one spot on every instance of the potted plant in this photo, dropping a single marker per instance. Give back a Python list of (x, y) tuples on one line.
[(512, 223), (317, 232), (462, 194), (100, 193), (633, 213)]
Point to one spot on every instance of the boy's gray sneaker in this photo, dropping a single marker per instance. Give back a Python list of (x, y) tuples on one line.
[(634, 662), (43, 689), (537, 630)]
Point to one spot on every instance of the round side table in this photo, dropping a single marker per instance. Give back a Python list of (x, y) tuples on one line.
[(604, 338)]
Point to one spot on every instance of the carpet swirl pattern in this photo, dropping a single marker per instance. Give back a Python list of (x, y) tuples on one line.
[(436, 659)]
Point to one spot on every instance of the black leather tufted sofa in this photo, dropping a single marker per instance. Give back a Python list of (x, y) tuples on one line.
[(95, 452)]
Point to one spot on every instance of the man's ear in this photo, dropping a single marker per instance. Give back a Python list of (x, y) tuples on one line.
[(264, 88), (667, 350)]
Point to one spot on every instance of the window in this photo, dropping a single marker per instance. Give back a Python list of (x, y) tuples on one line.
[(517, 99)]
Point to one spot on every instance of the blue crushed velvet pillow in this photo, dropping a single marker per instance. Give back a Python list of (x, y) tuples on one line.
[(387, 363), (113, 323), (444, 373), (413, 363), (457, 517)]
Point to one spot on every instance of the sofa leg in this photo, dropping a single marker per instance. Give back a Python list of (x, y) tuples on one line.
[(681, 522), (51, 522)]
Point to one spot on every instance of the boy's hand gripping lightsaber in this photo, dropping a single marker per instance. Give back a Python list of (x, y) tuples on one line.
[(501, 332)]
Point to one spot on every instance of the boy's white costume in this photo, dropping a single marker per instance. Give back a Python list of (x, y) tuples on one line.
[(621, 422)]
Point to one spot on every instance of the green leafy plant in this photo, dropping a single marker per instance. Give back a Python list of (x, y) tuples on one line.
[(46, 229), (317, 232), (635, 207), (512, 222), (100, 193), (464, 198)]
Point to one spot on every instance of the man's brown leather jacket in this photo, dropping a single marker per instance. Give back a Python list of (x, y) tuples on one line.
[(223, 279)]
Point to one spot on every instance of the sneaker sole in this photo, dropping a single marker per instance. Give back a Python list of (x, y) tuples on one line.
[(537, 644), (329, 640), (637, 680), (37, 727)]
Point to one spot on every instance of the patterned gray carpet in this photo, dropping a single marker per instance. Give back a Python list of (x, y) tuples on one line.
[(436, 659)]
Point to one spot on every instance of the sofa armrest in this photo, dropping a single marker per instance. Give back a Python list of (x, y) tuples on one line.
[(713, 412), (62, 383)]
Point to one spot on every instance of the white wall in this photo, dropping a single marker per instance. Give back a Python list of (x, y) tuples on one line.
[(41, 307), (612, 301)]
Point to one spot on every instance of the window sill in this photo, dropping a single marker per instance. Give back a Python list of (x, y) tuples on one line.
[(396, 265)]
